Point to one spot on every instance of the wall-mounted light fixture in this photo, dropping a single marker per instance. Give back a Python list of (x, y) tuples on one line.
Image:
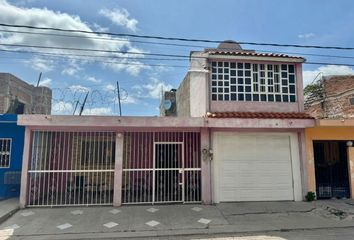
[(349, 143), (207, 153)]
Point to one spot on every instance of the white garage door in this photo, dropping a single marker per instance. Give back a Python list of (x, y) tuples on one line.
[(253, 167)]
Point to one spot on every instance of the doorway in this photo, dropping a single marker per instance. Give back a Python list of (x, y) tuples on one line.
[(331, 169), (168, 172)]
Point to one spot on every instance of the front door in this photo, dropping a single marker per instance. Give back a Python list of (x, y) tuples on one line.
[(331, 168), (168, 172)]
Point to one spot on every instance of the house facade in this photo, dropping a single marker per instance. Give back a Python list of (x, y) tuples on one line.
[(255, 159), (329, 143), (11, 150), (238, 135)]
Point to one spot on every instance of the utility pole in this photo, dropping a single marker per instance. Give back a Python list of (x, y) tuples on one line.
[(39, 79), (83, 104), (118, 93), (77, 103)]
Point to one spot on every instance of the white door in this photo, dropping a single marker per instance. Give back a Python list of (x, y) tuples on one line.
[(252, 167)]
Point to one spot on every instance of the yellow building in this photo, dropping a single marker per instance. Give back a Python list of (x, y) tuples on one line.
[(330, 158)]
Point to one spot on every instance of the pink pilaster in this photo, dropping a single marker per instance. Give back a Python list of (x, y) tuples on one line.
[(299, 87), (303, 162), (24, 175), (117, 196), (206, 171)]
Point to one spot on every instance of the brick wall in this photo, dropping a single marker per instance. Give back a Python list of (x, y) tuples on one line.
[(37, 100), (338, 90)]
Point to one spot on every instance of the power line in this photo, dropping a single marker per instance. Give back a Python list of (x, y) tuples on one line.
[(175, 38), (169, 44), (135, 53), (130, 63), (92, 50), (104, 38), (93, 56)]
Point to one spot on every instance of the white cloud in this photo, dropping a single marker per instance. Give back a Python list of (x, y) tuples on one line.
[(120, 17), (39, 17), (72, 69), (154, 88), (62, 107), (99, 28), (69, 71), (98, 111), (129, 100), (42, 65), (309, 76), (306, 35), (110, 87), (93, 79), (45, 82), (79, 88)]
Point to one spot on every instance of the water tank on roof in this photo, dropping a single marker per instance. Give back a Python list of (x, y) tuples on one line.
[(229, 45)]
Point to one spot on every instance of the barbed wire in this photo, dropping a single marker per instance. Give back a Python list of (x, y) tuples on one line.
[(65, 100)]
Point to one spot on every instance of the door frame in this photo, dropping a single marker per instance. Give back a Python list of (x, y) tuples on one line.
[(181, 171)]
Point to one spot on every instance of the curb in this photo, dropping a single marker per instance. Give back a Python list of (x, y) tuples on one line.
[(7, 215), (180, 233)]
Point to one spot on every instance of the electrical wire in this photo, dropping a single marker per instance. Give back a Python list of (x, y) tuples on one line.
[(169, 44), (175, 38), (143, 54)]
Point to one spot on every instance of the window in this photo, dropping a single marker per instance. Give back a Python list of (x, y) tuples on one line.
[(236, 81), (5, 152)]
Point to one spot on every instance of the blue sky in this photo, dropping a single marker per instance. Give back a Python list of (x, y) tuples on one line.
[(327, 23)]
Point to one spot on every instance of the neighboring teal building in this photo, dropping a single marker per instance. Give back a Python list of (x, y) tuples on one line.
[(11, 150)]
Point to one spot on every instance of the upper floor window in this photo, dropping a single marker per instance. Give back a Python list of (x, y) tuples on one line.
[(5, 152), (240, 81)]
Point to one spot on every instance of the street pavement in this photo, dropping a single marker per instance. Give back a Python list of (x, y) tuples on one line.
[(332, 219)]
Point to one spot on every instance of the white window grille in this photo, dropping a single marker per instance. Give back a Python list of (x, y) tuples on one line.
[(5, 152), (242, 81)]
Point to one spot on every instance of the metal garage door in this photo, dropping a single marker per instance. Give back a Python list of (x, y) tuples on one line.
[(253, 167)]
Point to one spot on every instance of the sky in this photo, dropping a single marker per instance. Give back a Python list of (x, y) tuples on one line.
[(73, 74)]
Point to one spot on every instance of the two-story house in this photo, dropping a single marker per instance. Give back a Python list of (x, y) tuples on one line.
[(257, 100), (236, 134)]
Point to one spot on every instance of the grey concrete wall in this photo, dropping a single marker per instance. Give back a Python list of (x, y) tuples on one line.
[(183, 98)]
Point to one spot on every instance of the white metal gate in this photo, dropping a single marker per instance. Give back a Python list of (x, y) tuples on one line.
[(71, 168), (168, 172), (161, 167)]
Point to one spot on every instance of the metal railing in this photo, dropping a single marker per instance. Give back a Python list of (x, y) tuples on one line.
[(71, 168), (161, 167)]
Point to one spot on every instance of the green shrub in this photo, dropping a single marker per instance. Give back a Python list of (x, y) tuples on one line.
[(310, 196)]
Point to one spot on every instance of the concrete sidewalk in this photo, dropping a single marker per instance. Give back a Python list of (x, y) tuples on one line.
[(176, 220), (7, 208)]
